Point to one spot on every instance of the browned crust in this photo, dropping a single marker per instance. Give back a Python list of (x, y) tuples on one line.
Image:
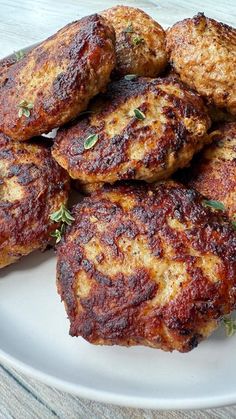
[(173, 130), (147, 58), (32, 186), (213, 171), (58, 77), (202, 52), (120, 306)]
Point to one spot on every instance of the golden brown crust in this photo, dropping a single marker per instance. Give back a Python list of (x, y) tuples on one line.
[(173, 130), (87, 188), (32, 186), (58, 77), (147, 57), (147, 265), (202, 51), (213, 172)]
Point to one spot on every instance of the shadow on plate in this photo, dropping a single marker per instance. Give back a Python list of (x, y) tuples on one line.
[(31, 261)]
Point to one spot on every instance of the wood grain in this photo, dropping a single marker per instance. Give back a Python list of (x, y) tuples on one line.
[(24, 398), (23, 23)]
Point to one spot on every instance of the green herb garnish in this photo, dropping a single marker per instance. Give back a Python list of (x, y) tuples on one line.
[(25, 108), (63, 215), (137, 40), (57, 234), (214, 204), (129, 28), (90, 141), (230, 326), (139, 115), (19, 55), (130, 76)]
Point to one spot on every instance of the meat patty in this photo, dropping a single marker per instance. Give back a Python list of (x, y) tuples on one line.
[(140, 41), (147, 265), (203, 52), (5, 64), (213, 172), (32, 186), (56, 80), (169, 127)]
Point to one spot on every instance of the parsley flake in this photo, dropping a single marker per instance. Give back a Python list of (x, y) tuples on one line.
[(230, 326), (90, 141), (25, 108), (139, 115), (214, 204)]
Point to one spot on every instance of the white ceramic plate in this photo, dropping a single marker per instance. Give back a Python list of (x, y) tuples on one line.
[(34, 338), (34, 331)]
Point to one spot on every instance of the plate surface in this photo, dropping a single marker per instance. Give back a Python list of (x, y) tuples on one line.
[(34, 329), (34, 338)]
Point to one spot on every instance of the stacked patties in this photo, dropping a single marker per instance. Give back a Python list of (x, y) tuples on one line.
[(141, 261), (39, 91)]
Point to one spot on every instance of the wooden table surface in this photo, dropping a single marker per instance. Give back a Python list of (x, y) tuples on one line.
[(23, 23)]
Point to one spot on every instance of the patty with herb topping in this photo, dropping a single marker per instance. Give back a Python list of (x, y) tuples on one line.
[(142, 129), (140, 42), (213, 171), (56, 80), (147, 265), (32, 186), (203, 53)]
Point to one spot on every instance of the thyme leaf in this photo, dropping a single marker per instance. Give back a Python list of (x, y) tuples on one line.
[(90, 141), (62, 215), (139, 115), (214, 204)]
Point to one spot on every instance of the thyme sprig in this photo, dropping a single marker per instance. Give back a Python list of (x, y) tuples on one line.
[(64, 217)]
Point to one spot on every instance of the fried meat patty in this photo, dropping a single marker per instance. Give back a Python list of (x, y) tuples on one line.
[(147, 265), (140, 41), (173, 127), (203, 52), (56, 80), (32, 186), (213, 171), (7, 62)]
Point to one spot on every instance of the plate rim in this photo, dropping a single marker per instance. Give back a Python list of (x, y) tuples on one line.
[(114, 398)]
